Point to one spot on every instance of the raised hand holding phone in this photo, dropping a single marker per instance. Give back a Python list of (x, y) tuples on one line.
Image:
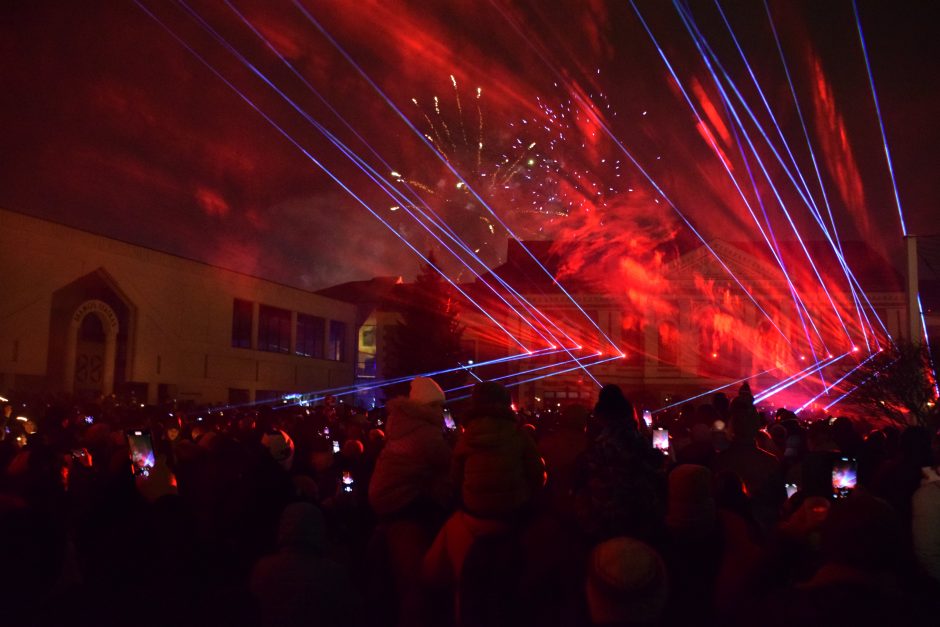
[(844, 476), (140, 448), (661, 440)]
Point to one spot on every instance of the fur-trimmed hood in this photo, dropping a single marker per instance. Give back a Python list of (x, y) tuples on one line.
[(405, 416)]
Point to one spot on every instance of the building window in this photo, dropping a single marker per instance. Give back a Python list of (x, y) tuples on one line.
[(310, 333), (368, 336), (367, 367), (242, 313), (337, 346), (273, 329)]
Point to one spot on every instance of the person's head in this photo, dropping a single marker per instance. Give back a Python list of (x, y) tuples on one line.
[(819, 437), (425, 391), (626, 583), (7, 410), (720, 403), (692, 510), (613, 406), (280, 446), (745, 422), (492, 400), (353, 449)]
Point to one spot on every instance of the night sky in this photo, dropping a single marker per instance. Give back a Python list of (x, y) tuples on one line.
[(111, 125)]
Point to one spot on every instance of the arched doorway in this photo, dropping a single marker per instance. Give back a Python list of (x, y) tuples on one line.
[(91, 349)]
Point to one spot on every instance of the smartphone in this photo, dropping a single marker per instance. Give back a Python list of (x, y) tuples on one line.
[(791, 489), (661, 439), (347, 481), (844, 476), (449, 423), (335, 446), (648, 417), (141, 451)]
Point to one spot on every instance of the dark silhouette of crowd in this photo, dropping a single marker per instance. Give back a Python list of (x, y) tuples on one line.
[(288, 514)]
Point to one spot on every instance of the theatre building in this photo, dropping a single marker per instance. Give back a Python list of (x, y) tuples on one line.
[(676, 357), (86, 314)]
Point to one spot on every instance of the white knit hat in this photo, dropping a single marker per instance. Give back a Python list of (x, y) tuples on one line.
[(626, 582), (426, 391), (280, 446)]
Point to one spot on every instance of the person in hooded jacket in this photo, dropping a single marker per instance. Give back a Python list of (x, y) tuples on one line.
[(412, 469), (299, 585), (499, 473), (496, 464), (411, 493)]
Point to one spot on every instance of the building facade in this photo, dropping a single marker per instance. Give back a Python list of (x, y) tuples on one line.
[(675, 351), (90, 315), (670, 354)]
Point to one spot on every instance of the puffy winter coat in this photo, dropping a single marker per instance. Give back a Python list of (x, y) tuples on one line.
[(298, 583), (496, 466), (415, 461)]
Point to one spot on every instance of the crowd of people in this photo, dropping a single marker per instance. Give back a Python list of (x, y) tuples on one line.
[(396, 517)]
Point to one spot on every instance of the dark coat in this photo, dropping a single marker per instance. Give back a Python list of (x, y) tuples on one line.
[(497, 467)]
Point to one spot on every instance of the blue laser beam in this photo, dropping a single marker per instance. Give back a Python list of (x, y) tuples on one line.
[(713, 390), (783, 382), (837, 244), (357, 160), (427, 213), (835, 383), (313, 396), (698, 117), (779, 388), (881, 124), (808, 199), (857, 386), (522, 372), (854, 286), (545, 376), (447, 164), (774, 249), (589, 110), (930, 364), (325, 170)]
